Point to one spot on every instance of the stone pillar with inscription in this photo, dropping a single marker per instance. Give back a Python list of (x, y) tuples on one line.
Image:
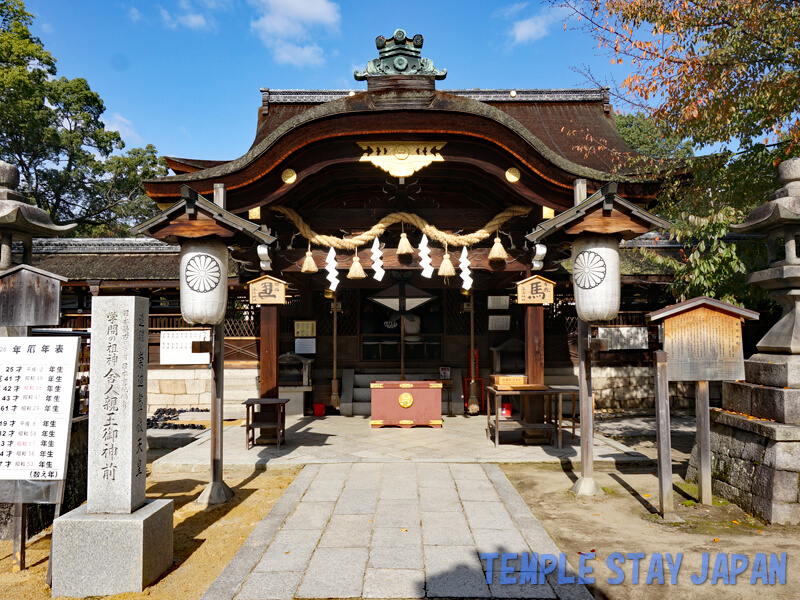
[(755, 440), (118, 541)]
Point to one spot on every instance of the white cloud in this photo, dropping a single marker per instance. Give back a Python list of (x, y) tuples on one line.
[(186, 17), (134, 15), (508, 12), (125, 127), (47, 28), (285, 27), (298, 56), (536, 27), (193, 21)]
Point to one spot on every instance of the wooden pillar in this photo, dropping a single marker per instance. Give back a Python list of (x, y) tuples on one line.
[(534, 343), (586, 484), (663, 439), (703, 443), (269, 352), (20, 519)]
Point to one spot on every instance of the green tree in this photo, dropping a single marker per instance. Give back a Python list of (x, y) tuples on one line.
[(52, 129), (643, 134), (710, 72)]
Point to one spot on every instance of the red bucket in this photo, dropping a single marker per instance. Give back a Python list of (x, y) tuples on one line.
[(505, 410), (319, 410)]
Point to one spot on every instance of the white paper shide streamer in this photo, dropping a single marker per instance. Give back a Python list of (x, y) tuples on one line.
[(463, 264), (204, 281), (425, 257), (595, 274), (377, 263), (330, 267)]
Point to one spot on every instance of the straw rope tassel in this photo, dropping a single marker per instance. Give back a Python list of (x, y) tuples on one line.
[(356, 270), (446, 269), (497, 252), (404, 247), (309, 265)]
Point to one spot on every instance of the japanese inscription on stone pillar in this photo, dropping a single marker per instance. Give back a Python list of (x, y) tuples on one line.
[(118, 405)]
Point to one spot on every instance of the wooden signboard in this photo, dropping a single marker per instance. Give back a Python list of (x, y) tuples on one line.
[(535, 290), (267, 290), (29, 297), (37, 385), (703, 345)]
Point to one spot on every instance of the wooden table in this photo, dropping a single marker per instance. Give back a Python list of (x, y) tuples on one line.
[(511, 424), (271, 414)]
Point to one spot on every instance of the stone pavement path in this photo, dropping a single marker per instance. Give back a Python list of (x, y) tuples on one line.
[(350, 439), (390, 530)]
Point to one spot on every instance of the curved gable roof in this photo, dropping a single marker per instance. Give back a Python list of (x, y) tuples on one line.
[(425, 103)]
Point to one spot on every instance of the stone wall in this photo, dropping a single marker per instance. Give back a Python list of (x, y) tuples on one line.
[(753, 470), (631, 388), (178, 388)]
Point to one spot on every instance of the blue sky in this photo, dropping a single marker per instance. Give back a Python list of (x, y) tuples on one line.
[(185, 75)]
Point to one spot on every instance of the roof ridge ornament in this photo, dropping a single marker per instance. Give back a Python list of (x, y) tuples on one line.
[(399, 55)]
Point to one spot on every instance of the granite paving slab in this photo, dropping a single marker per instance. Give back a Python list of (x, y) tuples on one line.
[(402, 548), (461, 443)]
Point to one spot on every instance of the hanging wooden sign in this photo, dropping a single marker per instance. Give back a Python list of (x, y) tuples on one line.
[(535, 290), (267, 290)]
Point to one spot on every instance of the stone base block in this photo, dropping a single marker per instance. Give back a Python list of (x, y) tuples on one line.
[(756, 465), (105, 554), (776, 370), (765, 402)]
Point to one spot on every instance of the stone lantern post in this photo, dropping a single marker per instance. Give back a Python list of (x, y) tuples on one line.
[(756, 438)]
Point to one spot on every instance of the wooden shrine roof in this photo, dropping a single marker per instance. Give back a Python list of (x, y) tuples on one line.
[(559, 118), (540, 131)]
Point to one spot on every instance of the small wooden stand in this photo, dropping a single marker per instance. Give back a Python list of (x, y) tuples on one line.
[(271, 415)]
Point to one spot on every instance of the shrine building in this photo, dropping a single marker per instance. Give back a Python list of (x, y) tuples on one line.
[(398, 200)]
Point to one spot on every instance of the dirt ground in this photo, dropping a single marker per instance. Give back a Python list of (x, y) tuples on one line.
[(625, 520), (204, 540)]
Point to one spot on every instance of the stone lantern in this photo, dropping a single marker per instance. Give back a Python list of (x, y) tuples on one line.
[(19, 220), (755, 439)]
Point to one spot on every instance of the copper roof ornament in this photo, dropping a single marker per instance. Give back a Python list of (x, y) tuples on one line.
[(399, 56)]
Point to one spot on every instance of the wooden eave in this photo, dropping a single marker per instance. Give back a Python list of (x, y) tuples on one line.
[(603, 212), (255, 178), (197, 218), (701, 302), (32, 269)]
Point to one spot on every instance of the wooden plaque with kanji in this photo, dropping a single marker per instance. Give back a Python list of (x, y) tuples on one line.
[(267, 290), (535, 290), (704, 345)]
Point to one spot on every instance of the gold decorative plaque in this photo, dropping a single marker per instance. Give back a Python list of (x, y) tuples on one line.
[(405, 400), (401, 159), (289, 176)]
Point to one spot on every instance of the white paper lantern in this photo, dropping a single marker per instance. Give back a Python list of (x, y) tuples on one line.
[(595, 277), (204, 281)]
